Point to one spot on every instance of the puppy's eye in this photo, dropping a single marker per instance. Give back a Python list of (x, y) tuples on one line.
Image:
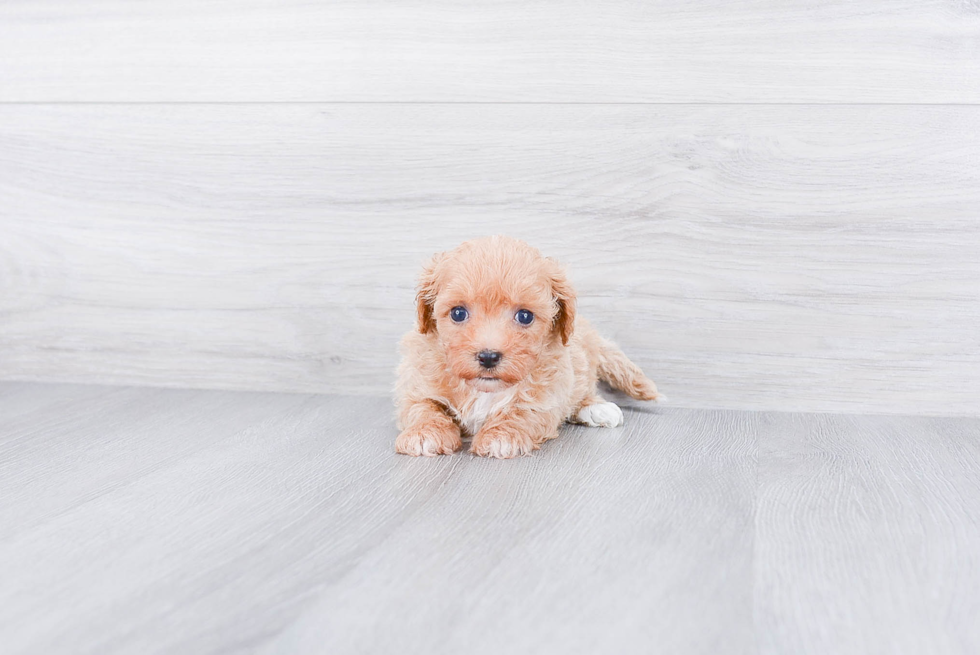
[(524, 317), (458, 314)]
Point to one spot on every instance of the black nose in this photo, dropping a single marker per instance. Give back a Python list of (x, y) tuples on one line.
[(489, 358)]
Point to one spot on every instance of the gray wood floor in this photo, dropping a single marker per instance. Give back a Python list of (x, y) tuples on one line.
[(148, 520)]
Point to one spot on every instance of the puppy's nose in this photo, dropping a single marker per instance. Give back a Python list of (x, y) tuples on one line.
[(489, 358)]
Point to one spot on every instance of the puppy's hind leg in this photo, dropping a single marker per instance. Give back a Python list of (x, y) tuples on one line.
[(427, 430), (616, 368)]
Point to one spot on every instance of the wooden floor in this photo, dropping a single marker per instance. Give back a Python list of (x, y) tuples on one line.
[(148, 520)]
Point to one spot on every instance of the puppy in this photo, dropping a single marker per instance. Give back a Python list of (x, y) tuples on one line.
[(499, 355)]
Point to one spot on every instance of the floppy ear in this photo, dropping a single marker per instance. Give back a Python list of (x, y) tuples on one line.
[(425, 295), (564, 294)]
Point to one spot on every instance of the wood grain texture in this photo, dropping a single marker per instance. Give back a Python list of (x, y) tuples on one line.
[(286, 523), (808, 258), (536, 51), (867, 535), (174, 521)]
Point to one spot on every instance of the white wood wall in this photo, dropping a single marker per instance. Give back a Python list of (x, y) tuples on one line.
[(770, 205)]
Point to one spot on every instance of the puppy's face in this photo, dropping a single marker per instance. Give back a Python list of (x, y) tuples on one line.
[(495, 305)]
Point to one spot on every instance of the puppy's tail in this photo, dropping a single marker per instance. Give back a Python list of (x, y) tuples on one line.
[(617, 369)]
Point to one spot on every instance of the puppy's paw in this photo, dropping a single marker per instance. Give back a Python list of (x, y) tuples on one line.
[(502, 444), (429, 441), (600, 415)]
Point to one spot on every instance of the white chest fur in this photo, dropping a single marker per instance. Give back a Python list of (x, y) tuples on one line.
[(480, 406)]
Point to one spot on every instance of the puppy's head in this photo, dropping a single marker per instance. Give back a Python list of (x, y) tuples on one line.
[(495, 305)]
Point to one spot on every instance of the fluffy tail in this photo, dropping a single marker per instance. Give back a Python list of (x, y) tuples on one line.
[(616, 369)]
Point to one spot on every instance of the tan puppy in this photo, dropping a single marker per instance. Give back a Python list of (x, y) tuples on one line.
[(499, 355)]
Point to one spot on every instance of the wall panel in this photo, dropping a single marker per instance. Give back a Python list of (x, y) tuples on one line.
[(893, 51), (771, 257)]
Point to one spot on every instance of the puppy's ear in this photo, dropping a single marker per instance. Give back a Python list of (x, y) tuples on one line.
[(564, 294), (425, 296)]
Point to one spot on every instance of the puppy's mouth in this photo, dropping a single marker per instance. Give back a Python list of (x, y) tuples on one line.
[(487, 383)]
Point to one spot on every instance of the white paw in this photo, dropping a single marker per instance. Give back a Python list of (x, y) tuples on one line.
[(600, 415)]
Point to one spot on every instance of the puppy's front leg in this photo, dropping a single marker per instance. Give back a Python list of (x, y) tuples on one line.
[(427, 430), (514, 433)]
